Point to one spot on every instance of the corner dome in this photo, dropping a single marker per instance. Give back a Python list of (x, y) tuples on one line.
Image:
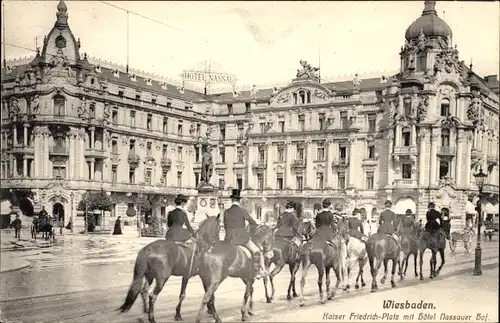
[(429, 23)]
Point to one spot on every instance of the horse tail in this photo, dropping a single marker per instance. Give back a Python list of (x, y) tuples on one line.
[(316, 257), (140, 268)]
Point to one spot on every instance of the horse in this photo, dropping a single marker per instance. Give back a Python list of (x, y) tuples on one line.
[(356, 253), (163, 258), (325, 256), (286, 252), (226, 260), (409, 246), (382, 248), (45, 228), (435, 242)]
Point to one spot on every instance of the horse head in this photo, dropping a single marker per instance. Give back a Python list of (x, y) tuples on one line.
[(307, 230), (209, 230), (264, 236)]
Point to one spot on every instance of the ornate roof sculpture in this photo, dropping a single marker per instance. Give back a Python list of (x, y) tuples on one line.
[(307, 72)]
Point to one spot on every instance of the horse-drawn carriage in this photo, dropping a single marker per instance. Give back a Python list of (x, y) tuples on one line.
[(491, 227), (464, 236), (44, 225)]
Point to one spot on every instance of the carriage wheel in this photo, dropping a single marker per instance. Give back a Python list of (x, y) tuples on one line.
[(453, 245)]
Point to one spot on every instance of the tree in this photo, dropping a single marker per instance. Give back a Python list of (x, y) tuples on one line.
[(91, 201)]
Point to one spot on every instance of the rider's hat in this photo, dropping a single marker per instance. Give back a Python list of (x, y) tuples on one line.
[(388, 203), (431, 205), (180, 198), (409, 212), (338, 207), (356, 211), (290, 205), (236, 194), (326, 203)]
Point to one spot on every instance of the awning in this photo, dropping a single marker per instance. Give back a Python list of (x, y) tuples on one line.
[(490, 208), (5, 207)]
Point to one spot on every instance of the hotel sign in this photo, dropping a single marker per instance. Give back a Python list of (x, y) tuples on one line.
[(208, 77)]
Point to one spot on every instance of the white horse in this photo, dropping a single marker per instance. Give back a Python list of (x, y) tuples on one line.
[(356, 253)]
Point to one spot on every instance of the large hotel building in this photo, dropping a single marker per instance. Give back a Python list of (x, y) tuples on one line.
[(71, 126)]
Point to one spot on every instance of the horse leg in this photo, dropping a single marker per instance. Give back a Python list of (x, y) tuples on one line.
[(432, 264), (276, 270), (306, 264), (161, 278), (293, 271), (337, 283), (211, 286), (375, 267), (244, 309), (321, 273), (361, 264), (182, 295), (441, 253), (264, 280), (145, 292), (327, 276), (386, 263), (393, 271), (348, 263)]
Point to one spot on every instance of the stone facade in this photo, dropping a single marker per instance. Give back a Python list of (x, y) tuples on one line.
[(70, 126)]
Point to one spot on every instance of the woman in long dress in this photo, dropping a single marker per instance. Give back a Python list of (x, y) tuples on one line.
[(118, 226)]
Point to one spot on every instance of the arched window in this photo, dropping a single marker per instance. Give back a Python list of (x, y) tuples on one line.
[(308, 97), (295, 101), (445, 137), (59, 105), (445, 108), (406, 133), (302, 95), (421, 61)]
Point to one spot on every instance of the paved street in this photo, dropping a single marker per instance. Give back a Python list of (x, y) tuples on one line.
[(80, 292)]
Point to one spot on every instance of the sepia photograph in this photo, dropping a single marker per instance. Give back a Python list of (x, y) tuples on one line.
[(260, 161)]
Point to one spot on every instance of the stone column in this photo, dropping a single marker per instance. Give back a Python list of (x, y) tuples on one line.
[(421, 155), (352, 163), (46, 161), (270, 173), (458, 159), (14, 167), (92, 138), (390, 164), (92, 169), (398, 135), (469, 140), (14, 132), (413, 135), (249, 159), (72, 153), (308, 171), (25, 135), (25, 167), (37, 160), (434, 145), (288, 163), (328, 166), (81, 162)]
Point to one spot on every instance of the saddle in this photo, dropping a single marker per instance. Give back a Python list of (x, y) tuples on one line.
[(294, 241), (188, 243), (246, 251), (395, 238)]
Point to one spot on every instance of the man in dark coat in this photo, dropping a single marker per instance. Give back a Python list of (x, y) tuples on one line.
[(324, 221), (386, 222), (407, 225), (288, 224), (432, 216), (355, 226), (176, 219), (17, 224), (236, 233)]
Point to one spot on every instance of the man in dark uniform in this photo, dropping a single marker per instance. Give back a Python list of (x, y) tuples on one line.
[(288, 224), (407, 225), (236, 233), (176, 219), (355, 226), (324, 220), (386, 222), (432, 216)]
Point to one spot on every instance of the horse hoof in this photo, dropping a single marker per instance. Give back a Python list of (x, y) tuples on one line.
[(416, 275), (431, 277), (288, 298), (382, 281), (363, 284), (301, 304), (250, 313), (244, 317), (393, 284), (421, 278), (356, 286), (374, 290), (323, 301), (178, 318), (295, 294)]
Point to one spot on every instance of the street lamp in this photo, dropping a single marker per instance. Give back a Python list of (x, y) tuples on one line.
[(140, 195), (480, 178)]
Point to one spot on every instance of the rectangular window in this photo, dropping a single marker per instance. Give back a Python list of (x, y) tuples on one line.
[(239, 183), (147, 177), (131, 175), (179, 179), (222, 182), (262, 155), (239, 155), (372, 123), (407, 106), (179, 154), (137, 97), (229, 109), (165, 125), (241, 133), (149, 122), (197, 156), (153, 101), (114, 116), (302, 123), (92, 110), (59, 104), (169, 104), (421, 61), (344, 124), (114, 146), (247, 106), (300, 182), (222, 155), (342, 153), (258, 212), (149, 150), (445, 108), (444, 169), (320, 180), (279, 181), (300, 153), (121, 93), (114, 173), (131, 146), (163, 179), (164, 151), (132, 119), (406, 132), (260, 181), (198, 128), (371, 152), (369, 180), (281, 125), (320, 153), (262, 126), (222, 129), (322, 121), (196, 179), (179, 128), (406, 171), (280, 151), (341, 180), (59, 172)]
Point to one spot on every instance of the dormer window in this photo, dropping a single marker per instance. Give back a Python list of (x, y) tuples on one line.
[(164, 86), (406, 132), (98, 69), (445, 108), (148, 82), (116, 73), (133, 78)]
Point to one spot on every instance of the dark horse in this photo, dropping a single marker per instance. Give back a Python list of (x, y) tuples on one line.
[(226, 260), (286, 252), (409, 246), (436, 242), (45, 228), (161, 259), (324, 256), (382, 248)]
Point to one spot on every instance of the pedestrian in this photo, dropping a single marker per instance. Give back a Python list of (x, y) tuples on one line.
[(61, 225), (16, 224), (69, 226), (118, 226), (470, 212)]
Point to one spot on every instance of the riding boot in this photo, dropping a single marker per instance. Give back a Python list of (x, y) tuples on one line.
[(259, 265)]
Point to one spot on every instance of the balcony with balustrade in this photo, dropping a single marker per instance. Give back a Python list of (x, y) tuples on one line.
[(21, 149), (59, 151), (405, 151), (298, 164), (405, 183), (447, 151), (259, 165), (342, 162)]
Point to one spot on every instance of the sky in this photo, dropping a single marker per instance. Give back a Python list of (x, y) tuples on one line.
[(259, 42)]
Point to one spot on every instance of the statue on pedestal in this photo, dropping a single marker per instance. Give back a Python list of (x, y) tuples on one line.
[(207, 165)]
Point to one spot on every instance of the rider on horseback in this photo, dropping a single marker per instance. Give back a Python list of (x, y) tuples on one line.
[(324, 220), (355, 226), (386, 222), (407, 225), (288, 224), (236, 233), (176, 219), (337, 213), (432, 216)]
